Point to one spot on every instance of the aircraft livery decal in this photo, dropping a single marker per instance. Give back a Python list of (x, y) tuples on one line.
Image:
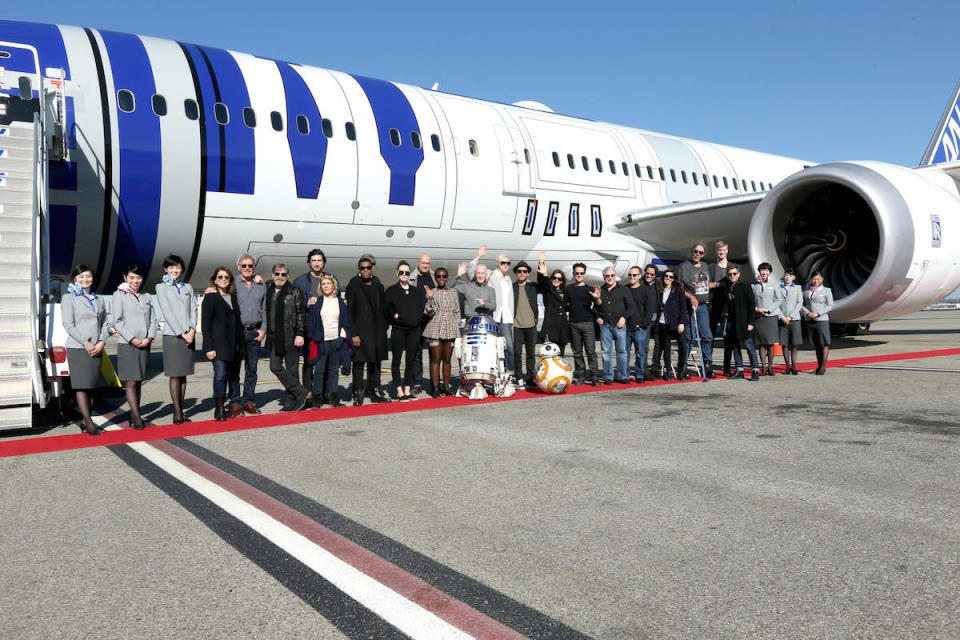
[(392, 110), (308, 151)]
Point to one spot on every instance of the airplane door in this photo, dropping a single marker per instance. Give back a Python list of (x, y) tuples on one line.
[(19, 72), (516, 171)]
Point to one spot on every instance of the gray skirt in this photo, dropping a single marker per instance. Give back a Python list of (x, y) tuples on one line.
[(177, 357), (791, 335), (84, 370), (768, 330), (132, 362), (819, 333)]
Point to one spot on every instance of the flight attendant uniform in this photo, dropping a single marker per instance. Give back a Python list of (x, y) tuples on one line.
[(85, 320), (132, 318), (177, 306)]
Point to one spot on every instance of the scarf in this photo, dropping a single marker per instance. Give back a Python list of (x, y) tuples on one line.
[(168, 279), (126, 288), (77, 290)]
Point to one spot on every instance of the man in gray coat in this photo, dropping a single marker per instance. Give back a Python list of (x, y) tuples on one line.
[(476, 295)]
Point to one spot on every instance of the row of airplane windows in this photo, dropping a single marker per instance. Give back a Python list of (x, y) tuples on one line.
[(661, 173), (127, 103)]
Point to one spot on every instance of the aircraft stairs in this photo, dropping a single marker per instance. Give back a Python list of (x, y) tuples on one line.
[(23, 203)]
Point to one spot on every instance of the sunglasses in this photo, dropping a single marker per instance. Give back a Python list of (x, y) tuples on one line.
[(557, 278), (403, 273), (366, 267), (668, 277), (222, 277), (698, 253), (634, 275), (506, 262), (579, 273), (280, 274), (734, 273), (440, 276), (246, 266), (523, 270), (609, 275)]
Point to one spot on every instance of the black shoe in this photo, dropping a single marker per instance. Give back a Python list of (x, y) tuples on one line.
[(821, 371), (622, 380), (793, 371), (735, 376), (333, 400), (219, 413), (640, 379), (299, 400), (316, 401), (417, 390), (649, 376), (91, 427), (357, 398), (709, 371), (436, 393), (755, 376), (683, 375), (770, 372), (377, 396), (609, 383), (667, 377), (596, 383), (137, 424)]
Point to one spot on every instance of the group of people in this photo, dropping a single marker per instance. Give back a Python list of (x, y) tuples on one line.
[(346, 331)]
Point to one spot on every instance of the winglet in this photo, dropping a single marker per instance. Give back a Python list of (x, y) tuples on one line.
[(945, 144)]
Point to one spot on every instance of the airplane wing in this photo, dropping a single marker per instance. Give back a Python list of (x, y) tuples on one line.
[(952, 169), (677, 227)]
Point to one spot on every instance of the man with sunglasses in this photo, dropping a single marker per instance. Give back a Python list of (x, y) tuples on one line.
[(525, 324), (367, 303), (583, 322), (614, 305), (285, 324), (741, 309), (250, 296), (649, 280), (644, 310), (694, 275)]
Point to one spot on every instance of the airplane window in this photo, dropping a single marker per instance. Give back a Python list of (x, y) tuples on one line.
[(303, 125), (753, 184), (570, 162), (650, 172), (526, 155), (673, 175), (159, 105), (735, 185), (662, 176), (221, 113), (694, 176), (613, 167), (276, 121), (125, 101), (327, 127), (683, 174), (706, 182), (586, 164), (716, 183), (26, 88), (249, 117), (556, 159), (474, 149), (351, 131), (726, 185), (4, 54), (636, 170), (395, 137), (435, 142), (190, 109), (415, 140), (599, 165)]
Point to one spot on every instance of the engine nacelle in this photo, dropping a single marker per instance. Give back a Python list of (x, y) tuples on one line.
[(886, 238)]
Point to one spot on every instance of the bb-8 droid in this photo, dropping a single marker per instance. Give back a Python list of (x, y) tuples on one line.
[(554, 374)]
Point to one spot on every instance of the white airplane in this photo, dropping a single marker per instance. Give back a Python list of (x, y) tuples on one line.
[(151, 146)]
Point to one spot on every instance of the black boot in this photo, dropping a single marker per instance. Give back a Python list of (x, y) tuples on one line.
[(708, 370), (357, 396), (333, 400), (219, 413)]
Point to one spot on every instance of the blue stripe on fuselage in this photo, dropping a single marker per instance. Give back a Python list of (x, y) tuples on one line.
[(392, 110), (47, 40), (231, 150), (308, 152), (140, 167)]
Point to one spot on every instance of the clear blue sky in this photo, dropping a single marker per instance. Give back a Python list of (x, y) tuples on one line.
[(815, 80)]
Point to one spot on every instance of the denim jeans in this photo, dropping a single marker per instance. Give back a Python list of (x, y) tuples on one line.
[(702, 317), (506, 331), (221, 371), (328, 363), (249, 353), (747, 344), (609, 335), (640, 343)]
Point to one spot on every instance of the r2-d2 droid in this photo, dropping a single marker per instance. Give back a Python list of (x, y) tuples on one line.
[(480, 351)]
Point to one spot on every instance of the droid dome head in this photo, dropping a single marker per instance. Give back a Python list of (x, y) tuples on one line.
[(548, 350), (482, 324)]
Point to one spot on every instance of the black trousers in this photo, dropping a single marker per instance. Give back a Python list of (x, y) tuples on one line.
[(284, 366), (666, 335), (373, 376), (524, 339), (583, 340), (404, 341)]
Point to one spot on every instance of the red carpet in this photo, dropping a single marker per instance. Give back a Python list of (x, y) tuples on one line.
[(81, 440)]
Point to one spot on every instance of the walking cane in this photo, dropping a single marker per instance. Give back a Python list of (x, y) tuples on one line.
[(696, 337)]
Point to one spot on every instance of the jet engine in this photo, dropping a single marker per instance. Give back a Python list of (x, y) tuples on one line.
[(886, 238)]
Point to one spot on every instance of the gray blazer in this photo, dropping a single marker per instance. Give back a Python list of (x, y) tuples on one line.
[(769, 297), (792, 302), (84, 319), (821, 302), (177, 310), (133, 318), (471, 291)]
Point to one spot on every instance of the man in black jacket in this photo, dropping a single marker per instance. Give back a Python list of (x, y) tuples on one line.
[(583, 319), (614, 305), (644, 309), (741, 308), (367, 303), (525, 316), (285, 322)]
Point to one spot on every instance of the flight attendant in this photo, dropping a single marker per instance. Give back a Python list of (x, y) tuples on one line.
[(222, 334), (177, 306), (817, 303), (85, 320), (136, 327)]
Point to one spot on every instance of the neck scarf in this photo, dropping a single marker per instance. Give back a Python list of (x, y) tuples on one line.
[(168, 279)]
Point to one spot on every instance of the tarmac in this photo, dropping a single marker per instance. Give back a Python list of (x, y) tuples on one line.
[(794, 507)]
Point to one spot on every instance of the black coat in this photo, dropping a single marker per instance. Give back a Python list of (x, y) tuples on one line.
[(220, 326), (556, 306), (368, 314), (294, 316), (644, 306), (745, 306), (407, 304), (675, 310)]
